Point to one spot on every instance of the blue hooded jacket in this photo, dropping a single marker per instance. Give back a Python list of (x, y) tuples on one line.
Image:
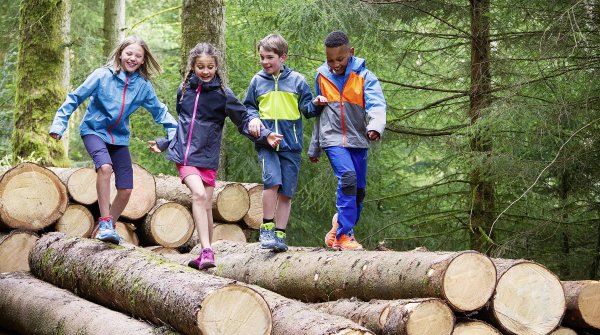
[(113, 98)]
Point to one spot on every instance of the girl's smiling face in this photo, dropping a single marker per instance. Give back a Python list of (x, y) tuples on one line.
[(132, 57), (205, 67)]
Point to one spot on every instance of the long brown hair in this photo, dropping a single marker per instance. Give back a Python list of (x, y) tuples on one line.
[(201, 49), (149, 68)]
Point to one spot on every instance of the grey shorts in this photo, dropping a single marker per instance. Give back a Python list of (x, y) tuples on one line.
[(280, 168)]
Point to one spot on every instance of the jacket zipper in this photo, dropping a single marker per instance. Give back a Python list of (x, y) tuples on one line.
[(112, 139), (295, 135), (189, 137), (276, 119)]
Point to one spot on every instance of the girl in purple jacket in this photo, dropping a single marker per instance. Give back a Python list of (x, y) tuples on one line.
[(203, 103)]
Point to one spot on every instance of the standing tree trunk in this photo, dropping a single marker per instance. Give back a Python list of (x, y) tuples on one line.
[(39, 75), (66, 32), (482, 190), (114, 22)]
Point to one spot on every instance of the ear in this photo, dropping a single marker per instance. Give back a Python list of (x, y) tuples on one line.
[(284, 57), (352, 51)]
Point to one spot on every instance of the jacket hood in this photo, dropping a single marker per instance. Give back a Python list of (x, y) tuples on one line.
[(212, 85), (284, 73)]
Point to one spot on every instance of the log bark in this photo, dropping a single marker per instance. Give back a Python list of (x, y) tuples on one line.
[(159, 249), (31, 197), (32, 306), (395, 317), (529, 298), (230, 201), (77, 221), (80, 183), (253, 218), (168, 224), (583, 303), (143, 197), (291, 317), (14, 250), (466, 280), (563, 331), (144, 284), (474, 327), (228, 232)]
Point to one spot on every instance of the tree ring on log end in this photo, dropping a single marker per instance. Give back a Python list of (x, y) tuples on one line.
[(431, 317), (588, 304), (234, 310), (469, 281)]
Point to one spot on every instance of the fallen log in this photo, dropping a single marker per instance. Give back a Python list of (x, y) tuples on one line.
[(529, 299), (31, 197), (32, 306), (145, 285), (230, 200), (563, 331), (80, 183), (474, 327), (159, 249), (291, 317), (465, 280), (14, 250), (143, 197), (395, 317), (583, 300), (168, 224), (253, 218), (77, 221)]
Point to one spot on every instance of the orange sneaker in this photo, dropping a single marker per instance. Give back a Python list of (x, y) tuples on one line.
[(330, 237), (346, 242)]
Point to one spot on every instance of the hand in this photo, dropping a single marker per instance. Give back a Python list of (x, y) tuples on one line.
[(320, 101), (314, 159), (274, 139), (55, 136), (153, 147), (254, 127), (373, 135)]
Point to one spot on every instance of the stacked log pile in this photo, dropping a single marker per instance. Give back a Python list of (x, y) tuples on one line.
[(302, 291)]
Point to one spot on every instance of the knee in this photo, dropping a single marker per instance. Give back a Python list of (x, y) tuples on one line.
[(105, 170), (125, 192), (200, 198), (348, 182)]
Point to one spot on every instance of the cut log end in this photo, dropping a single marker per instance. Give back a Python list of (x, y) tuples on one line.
[(230, 202), (81, 186), (431, 317), (563, 331), (77, 221), (229, 232), (234, 310), (588, 305), (529, 300), (474, 327), (14, 250), (469, 281), (171, 225)]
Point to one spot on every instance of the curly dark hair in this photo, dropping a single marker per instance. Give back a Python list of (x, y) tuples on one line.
[(336, 38)]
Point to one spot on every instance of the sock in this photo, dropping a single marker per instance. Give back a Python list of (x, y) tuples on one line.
[(267, 220)]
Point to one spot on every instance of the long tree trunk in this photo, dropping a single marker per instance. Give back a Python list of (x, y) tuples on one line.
[(143, 284), (39, 75), (114, 23), (24, 298), (466, 280), (66, 32), (482, 190)]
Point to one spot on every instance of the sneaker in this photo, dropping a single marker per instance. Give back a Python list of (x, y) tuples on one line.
[(280, 245), (346, 242), (106, 230), (267, 235), (330, 237), (204, 261)]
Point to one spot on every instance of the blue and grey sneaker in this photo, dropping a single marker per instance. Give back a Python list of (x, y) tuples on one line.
[(267, 235), (280, 245), (106, 230)]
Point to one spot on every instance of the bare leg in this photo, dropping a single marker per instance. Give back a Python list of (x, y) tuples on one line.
[(199, 208), (120, 202), (103, 188), (209, 194), (284, 206), (269, 202)]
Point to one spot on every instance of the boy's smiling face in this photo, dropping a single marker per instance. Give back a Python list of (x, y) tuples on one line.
[(270, 61), (338, 57)]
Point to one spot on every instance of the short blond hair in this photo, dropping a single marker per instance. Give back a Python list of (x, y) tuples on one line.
[(274, 43)]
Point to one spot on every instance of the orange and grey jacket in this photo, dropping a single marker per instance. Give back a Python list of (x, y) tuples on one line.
[(279, 102), (355, 105)]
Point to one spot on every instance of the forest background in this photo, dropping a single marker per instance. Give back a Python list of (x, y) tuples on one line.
[(492, 140)]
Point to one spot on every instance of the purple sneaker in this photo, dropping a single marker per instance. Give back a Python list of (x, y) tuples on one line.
[(204, 261)]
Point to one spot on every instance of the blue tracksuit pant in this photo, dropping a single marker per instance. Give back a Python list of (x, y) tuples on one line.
[(350, 168)]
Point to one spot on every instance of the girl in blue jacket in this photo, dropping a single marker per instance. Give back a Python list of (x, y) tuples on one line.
[(203, 103), (116, 91)]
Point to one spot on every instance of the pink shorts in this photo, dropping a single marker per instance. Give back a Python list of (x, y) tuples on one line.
[(209, 176)]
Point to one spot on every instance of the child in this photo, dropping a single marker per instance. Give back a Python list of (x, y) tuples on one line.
[(203, 103), (116, 91), (277, 95), (353, 114)]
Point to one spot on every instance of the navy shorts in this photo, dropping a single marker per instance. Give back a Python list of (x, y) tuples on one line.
[(116, 155), (280, 168)]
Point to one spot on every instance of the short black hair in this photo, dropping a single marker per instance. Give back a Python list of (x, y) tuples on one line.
[(336, 38)]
